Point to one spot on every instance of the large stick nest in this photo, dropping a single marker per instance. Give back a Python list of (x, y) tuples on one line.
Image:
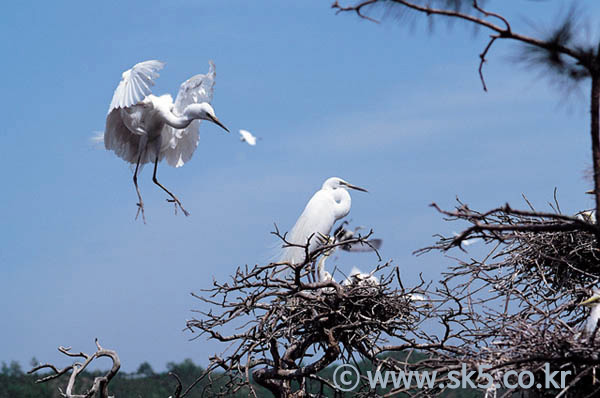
[(356, 314), (567, 259)]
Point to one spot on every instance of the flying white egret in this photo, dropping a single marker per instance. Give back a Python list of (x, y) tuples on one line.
[(331, 203), (592, 321), (143, 128), (246, 136)]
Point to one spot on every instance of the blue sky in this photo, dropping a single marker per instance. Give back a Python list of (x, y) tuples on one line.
[(395, 110)]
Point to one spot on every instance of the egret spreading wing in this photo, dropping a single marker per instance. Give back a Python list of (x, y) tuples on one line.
[(196, 89), (135, 84), (181, 143), (145, 128)]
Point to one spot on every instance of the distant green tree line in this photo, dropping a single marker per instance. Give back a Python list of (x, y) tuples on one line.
[(144, 383)]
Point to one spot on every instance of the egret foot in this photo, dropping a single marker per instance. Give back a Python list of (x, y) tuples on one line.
[(140, 209), (176, 202)]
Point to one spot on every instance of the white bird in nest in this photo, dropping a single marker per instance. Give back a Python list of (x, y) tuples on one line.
[(143, 128), (592, 321), (360, 278), (246, 136), (339, 236), (331, 203), (592, 324), (323, 275), (587, 215), (342, 235)]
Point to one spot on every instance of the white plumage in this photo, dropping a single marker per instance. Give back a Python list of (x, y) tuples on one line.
[(361, 278), (331, 203), (592, 321), (143, 128), (588, 216), (246, 136), (322, 275)]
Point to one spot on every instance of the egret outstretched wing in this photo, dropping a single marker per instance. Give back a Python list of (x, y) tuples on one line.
[(183, 142), (135, 84), (196, 89)]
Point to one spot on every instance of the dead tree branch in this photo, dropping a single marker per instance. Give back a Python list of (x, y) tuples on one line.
[(100, 384), (288, 329)]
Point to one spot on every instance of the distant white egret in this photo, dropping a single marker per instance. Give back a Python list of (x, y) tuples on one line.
[(361, 278), (246, 136), (416, 297), (592, 321), (419, 300), (467, 242), (143, 128), (331, 203), (587, 215)]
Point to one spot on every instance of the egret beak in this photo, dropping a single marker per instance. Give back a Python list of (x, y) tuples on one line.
[(353, 186), (591, 192), (591, 300), (218, 123)]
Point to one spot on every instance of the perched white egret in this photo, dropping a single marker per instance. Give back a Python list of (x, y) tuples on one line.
[(361, 278), (246, 136), (143, 128), (592, 321), (331, 203)]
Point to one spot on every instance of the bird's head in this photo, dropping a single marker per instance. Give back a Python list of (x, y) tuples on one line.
[(336, 182), (204, 111), (593, 301)]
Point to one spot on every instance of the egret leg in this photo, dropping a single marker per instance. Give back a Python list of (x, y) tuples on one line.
[(173, 197), (311, 273), (140, 204)]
